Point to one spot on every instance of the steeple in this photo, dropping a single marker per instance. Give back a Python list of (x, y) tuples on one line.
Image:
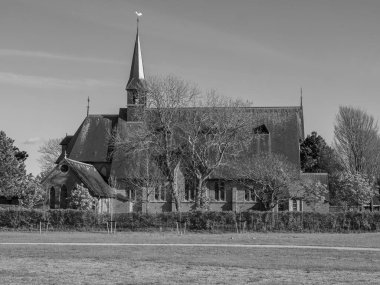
[(136, 76)]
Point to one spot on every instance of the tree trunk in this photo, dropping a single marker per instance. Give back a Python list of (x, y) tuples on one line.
[(175, 196), (198, 193)]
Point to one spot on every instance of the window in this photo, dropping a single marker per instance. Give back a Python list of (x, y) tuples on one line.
[(131, 194), (160, 193), (52, 198), (64, 168), (63, 200), (220, 194), (262, 142), (249, 195), (296, 205), (189, 189)]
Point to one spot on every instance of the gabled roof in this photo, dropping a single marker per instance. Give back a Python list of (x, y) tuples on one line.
[(282, 123), (91, 178), (90, 143), (133, 164), (87, 174)]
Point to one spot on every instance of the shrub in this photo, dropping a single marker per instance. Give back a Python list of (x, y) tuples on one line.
[(69, 219)]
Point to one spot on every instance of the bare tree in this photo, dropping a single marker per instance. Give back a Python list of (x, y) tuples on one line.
[(270, 177), (210, 135), (50, 151), (154, 136), (357, 140)]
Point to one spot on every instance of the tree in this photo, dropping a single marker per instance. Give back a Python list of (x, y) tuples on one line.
[(153, 137), (81, 199), (317, 156), (210, 136), (313, 192), (357, 141), (350, 190), (50, 151), (21, 155), (32, 195), (269, 176), (12, 169)]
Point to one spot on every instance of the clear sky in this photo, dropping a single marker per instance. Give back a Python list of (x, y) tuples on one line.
[(54, 53)]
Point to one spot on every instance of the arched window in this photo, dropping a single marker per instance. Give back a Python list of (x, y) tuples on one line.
[(262, 140), (52, 198), (63, 200), (220, 194)]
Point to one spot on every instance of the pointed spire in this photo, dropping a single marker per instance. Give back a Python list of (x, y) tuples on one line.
[(137, 69), (301, 104)]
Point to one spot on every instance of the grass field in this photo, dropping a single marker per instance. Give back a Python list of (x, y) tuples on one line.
[(49, 264)]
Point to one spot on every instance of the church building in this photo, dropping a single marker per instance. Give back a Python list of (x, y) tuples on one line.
[(88, 159)]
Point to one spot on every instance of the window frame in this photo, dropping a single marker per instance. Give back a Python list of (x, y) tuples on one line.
[(159, 194), (220, 190), (189, 191), (250, 193)]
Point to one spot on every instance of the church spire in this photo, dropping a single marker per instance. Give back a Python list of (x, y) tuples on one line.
[(136, 76)]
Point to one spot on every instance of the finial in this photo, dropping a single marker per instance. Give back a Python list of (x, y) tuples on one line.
[(301, 98), (138, 16), (88, 105)]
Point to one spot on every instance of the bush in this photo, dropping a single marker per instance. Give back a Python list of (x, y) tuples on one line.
[(69, 219)]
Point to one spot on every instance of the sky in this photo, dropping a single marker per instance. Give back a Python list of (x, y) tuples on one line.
[(54, 54)]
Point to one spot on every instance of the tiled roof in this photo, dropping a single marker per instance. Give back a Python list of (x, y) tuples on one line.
[(91, 178), (90, 143)]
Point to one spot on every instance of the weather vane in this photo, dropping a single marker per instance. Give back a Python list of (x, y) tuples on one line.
[(138, 16)]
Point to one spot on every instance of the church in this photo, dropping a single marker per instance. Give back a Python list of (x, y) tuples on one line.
[(87, 159)]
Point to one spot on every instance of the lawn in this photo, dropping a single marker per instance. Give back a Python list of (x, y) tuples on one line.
[(49, 264)]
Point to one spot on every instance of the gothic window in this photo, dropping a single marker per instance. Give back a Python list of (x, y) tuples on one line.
[(189, 189), (63, 198), (52, 198), (261, 139), (160, 193), (157, 193), (220, 194)]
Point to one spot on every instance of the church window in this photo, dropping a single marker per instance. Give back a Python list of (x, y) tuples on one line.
[(262, 140), (63, 198), (52, 198), (64, 168), (220, 194), (160, 193), (131, 194), (190, 189), (249, 195)]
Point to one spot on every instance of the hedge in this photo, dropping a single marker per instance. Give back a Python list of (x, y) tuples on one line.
[(23, 219)]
